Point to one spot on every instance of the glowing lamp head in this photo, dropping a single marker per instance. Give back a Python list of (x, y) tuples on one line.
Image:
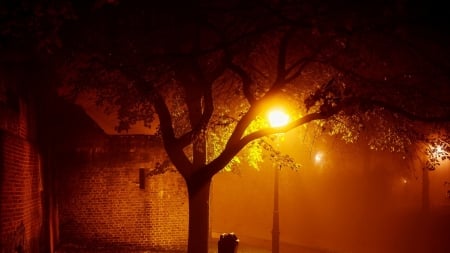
[(278, 118), (318, 157)]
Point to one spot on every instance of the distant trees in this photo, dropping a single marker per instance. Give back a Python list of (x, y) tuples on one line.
[(206, 73)]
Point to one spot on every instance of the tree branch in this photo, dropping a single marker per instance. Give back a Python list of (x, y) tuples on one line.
[(172, 147), (409, 115), (233, 149), (246, 81), (282, 51), (206, 109)]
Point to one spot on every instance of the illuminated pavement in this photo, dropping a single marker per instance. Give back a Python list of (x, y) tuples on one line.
[(213, 249), (284, 248)]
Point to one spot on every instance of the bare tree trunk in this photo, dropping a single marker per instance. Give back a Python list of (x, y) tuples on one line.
[(198, 217)]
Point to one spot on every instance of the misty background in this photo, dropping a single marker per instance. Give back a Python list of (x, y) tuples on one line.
[(353, 200)]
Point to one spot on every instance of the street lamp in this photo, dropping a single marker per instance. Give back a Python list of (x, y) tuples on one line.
[(318, 157), (277, 118)]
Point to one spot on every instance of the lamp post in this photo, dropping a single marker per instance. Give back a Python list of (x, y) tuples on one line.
[(277, 118)]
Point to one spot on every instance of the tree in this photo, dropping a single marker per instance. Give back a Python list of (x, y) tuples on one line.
[(206, 73)]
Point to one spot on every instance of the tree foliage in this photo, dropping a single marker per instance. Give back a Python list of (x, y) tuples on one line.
[(210, 70), (437, 149)]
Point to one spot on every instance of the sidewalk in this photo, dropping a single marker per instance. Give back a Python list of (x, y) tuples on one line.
[(258, 245), (284, 248), (242, 248)]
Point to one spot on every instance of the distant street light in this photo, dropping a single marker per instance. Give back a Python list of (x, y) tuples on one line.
[(277, 118), (404, 180), (318, 157)]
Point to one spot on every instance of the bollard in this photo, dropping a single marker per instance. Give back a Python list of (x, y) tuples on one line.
[(228, 243)]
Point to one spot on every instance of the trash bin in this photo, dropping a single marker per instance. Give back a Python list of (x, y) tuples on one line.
[(228, 243)]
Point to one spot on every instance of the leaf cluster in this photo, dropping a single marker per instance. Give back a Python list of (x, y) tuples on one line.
[(437, 150), (206, 71)]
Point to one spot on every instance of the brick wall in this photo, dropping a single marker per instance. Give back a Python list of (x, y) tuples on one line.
[(20, 180), (101, 203)]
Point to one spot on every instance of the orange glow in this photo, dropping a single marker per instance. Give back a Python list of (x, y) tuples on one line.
[(437, 151), (318, 157), (278, 118)]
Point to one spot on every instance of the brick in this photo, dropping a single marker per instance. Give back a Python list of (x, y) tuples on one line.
[(104, 196), (20, 195)]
